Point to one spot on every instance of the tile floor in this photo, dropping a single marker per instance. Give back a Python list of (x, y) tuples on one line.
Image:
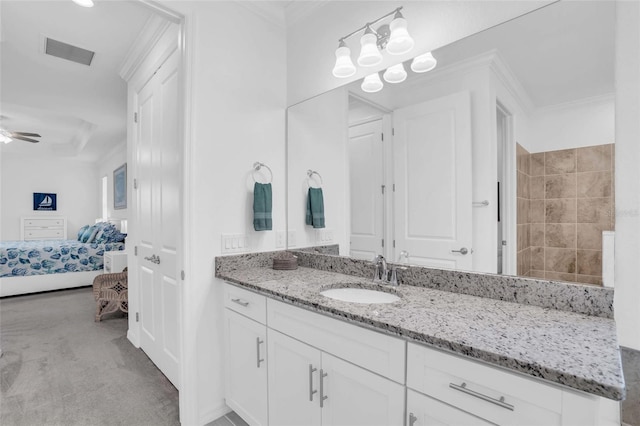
[(229, 419)]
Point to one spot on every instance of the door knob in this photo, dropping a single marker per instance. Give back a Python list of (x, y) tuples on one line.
[(462, 251)]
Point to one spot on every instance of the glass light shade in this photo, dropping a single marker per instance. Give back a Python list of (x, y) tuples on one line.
[(369, 53), (5, 139), (395, 74), (423, 63), (84, 3), (372, 83), (344, 66), (400, 42)]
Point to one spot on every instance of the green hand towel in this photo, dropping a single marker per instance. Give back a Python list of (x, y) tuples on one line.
[(315, 208), (262, 202)]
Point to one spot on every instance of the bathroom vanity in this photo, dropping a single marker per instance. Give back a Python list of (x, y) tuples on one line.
[(295, 356)]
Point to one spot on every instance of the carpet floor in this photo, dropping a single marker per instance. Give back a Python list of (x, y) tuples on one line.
[(59, 367)]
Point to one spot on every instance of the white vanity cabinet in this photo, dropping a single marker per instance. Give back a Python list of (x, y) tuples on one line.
[(246, 354), (425, 411), (310, 387)]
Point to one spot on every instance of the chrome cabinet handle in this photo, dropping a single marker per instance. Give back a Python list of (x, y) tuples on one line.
[(323, 397), (258, 359), (499, 402), (240, 302), (462, 251), (311, 390), (412, 419)]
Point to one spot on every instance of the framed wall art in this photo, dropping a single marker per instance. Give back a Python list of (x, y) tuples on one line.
[(120, 187), (43, 201)]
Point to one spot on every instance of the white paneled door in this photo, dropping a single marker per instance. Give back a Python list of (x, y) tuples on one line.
[(366, 177), (158, 175), (432, 169)]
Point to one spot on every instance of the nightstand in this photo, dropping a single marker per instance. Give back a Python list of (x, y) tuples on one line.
[(114, 261)]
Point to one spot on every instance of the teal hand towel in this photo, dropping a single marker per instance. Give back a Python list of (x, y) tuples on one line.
[(262, 204), (315, 208)]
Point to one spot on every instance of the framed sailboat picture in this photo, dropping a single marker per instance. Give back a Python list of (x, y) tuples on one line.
[(44, 202), (120, 187)]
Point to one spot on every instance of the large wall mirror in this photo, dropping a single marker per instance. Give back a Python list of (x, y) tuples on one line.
[(498, 160)]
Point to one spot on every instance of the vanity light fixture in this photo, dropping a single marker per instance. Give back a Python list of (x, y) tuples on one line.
[(5, 137), (394, 38), (372, 83), (423, 63), (84, 3), (395, 74)]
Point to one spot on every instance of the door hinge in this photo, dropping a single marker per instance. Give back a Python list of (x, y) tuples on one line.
[(382, 137), (135, 250), (182, 275), (394, 243), (394, 187), (393, 131), (383, 189), (504, 242), (135, 117), (383, 242), (135, 183), (137, 316)]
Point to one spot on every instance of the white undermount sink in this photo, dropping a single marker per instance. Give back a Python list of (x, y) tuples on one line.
[(360, 295)]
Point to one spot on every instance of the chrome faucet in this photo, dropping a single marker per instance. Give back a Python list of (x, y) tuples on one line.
[(381, 272)]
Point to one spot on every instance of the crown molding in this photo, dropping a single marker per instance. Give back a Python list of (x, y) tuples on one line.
[(272, 12), (297, 10), (503, 73), (149, 36), (591, 100)]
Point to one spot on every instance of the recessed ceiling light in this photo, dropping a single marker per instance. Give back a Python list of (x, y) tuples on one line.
[(84, 3)]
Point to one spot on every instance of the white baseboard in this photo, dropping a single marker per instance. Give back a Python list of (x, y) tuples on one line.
[(133, 338), (213, 413)]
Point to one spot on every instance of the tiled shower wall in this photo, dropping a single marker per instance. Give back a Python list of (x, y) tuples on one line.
[(565, 201)]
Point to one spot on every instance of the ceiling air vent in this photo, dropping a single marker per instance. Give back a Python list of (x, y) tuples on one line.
[(68, 52)]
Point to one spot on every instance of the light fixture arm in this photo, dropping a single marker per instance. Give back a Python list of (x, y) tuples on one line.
[(369, 24)]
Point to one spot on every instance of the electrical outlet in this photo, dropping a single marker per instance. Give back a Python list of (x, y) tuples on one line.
[(291, 238), (280, 239)]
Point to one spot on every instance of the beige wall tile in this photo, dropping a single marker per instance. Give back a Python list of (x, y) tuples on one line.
[(536, 274), (594, 184), (536, 211), (523, 237), (560, 235), (589, 262), (594, 210), (557, 162), (523, 211), (536, 234), (523, 185), (536, 187), (524, 261), (536, 162), (562, 210), (537, 258), (590, 235), (588, 279), (560, 186), (559, 276), (594, 158), (560, 260)]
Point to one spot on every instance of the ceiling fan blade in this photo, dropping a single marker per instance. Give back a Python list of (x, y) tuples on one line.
[(23, 138), (25, 134)]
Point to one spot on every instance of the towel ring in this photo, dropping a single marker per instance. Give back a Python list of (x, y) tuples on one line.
[(257, 166), (310, 174)]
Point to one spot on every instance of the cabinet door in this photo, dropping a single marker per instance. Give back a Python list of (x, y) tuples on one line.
[(355, 396), (294, 370), (246, 372), (425, 411)]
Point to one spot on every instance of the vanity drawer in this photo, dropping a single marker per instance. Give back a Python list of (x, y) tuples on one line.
[(377, 352), (477, 388), (245, 302)]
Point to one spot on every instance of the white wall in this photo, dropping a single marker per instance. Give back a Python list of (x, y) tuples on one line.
[(313, 39), (114, 159), (73, 181), (627, 245), (317, 140), (237, 77), (587, 122)]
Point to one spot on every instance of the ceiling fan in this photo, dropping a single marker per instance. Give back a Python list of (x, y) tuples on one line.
[(6, 136)]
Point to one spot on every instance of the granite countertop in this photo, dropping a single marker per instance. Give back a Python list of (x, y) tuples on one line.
[(572, 349)]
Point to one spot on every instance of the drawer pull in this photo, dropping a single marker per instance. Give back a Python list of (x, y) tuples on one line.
[(258, 343), (323, 397), (499, 402), (240, 302), (311, 390)]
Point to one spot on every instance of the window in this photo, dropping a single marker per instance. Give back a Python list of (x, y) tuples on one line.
[(105, 197)]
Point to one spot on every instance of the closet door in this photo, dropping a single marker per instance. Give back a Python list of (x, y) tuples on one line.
[(158, 165)]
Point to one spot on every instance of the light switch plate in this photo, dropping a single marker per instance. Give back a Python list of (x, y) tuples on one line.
[(291, 238), (280, 239), (234, 243)]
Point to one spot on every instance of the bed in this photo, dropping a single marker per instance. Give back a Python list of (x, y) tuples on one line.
[(42, 265)]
